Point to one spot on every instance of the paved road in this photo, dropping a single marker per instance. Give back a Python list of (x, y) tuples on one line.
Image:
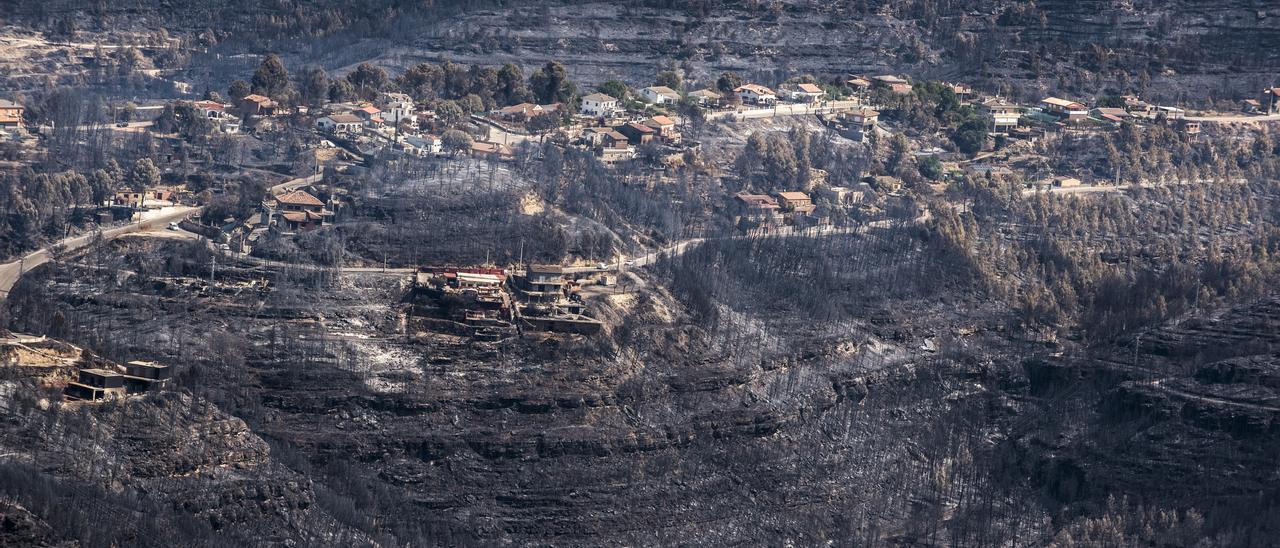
[(1235, 118), (11, 271), (787, 109), (294, 184)]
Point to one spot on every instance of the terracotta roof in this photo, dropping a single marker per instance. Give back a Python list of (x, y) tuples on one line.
[(640, 127), (1063, 103), (663, 120), (370, 109), (299, 197), (858, 81), (754, 88), (301, 216), (255, 98), (344, 118), (757, 200), (790, 196), (599, 98), (809, 88)]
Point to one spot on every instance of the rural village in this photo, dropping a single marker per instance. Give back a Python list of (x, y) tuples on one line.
[(412, 264)]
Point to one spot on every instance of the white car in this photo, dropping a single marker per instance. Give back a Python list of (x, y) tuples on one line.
[(173, 226)]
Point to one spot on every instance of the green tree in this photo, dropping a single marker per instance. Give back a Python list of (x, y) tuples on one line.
[(728, 81), (271, 79), (614, 88), (238, 89), (971, 136), (669, 78), (341, 90), (315, 86), (450, 112), (144, 174), (367, 80), (511, 87), (550, 84), (931, 168), (455, 141)]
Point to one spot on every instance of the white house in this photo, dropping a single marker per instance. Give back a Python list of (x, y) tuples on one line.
[(756, 94), (599, 104), (423, 145), (705, 96), (340, 123), (660, 95), (806, 93), (395, 111)]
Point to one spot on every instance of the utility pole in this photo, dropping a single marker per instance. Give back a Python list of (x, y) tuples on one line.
[(213, 266)]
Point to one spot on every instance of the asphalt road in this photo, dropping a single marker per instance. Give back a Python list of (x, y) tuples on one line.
[(11, 271)]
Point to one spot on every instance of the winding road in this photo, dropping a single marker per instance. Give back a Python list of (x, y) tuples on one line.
[(11, 271)]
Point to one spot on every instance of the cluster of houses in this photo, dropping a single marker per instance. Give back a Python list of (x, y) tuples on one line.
[(490, 303)]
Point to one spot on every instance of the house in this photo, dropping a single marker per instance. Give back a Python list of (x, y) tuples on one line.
[(95, 384), (524, 111), (491, 151), (1111, 114), (11, 114), (1171, 113), (153, 197), (1271, 100), (858, 84), (1190, 127), (1066, 109), (604, 137), (422, 145), (212, 110), (660, 95), (756, 94), (258, 105), (842, 195), (370, 115), (637, 133), (398, 107), (1004, 116), (963, 92), (705, 97), (758, 208), (1137, 107), (861, 122), (543, 282), (805, 93), (664, 126), (1251, 106), (796, 202), (340, 124), (144, 376), (600, 105), (299, 210), (893, 84)]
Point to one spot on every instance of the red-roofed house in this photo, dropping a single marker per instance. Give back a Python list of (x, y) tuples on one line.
[(637, 134), (10, 114), (258, 105)]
